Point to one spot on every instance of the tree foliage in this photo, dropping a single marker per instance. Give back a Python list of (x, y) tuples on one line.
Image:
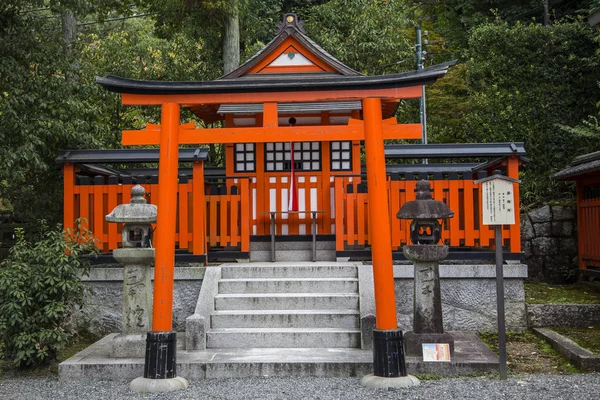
[(524, 81), (371, 36), (40, 284), (515, 80), (41, 111)]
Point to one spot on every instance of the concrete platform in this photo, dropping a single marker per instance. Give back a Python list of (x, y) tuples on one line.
[(94, 363)]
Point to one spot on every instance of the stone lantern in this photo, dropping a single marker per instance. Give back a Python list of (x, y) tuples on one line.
[(426, 253), (137, 255)]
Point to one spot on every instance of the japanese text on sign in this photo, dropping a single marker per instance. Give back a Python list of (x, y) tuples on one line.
[(498, 202)]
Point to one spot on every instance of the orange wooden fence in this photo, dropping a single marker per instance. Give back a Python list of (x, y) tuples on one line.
[(314, 194), (588, 219), (216, 220), (225, 218), (461, 195)]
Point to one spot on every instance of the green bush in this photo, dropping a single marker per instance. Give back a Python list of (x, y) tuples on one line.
[(40, 284)]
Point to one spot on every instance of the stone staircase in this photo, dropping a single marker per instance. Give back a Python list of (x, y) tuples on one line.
[(285, 306), (287, 249)]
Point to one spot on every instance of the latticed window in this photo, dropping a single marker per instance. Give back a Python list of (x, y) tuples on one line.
[(245, 157), (341, 156), (278, 157), (591, 192)]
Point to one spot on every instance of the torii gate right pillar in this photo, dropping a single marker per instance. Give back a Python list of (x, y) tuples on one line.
[(388, 352)]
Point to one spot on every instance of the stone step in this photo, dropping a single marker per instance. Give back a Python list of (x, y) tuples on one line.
[(285, 319), (281, 245), (283, 338), (292, 255), (286, 301), (289, 270), (285, 285)]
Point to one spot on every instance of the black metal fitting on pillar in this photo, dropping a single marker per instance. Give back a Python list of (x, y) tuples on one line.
[(160, 355), (388, 354)]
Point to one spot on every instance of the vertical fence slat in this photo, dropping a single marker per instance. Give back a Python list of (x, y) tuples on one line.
[(111, 201), (212, 226), (455, 234), (234, 234), (350, 218), (245, 215), (469, 212), (198, 209), (183, 215), (69, 196), (98, 216), (485, 232), (361, 212), (515, 229), (84, 205), (394, 208), (339, 198)]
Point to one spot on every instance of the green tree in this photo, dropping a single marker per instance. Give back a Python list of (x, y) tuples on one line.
[(524, 81), (371, 36), (40, 285)]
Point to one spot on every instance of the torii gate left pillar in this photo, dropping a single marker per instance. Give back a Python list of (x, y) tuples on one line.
[(161, 343)]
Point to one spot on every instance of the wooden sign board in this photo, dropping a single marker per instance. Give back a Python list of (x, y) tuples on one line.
[(498, 200)]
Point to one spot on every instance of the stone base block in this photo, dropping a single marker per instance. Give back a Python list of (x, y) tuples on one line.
[(195, 332), (128, 346), (146, 385), (413, 342), (379, 382)]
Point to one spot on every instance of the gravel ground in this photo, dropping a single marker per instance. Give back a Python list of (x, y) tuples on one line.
[(577, 386)]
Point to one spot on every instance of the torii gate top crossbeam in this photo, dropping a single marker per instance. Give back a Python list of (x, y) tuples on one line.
[(276, 89)]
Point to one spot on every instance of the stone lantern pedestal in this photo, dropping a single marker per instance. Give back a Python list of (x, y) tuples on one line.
[(428, 325), (426, 253), (137, 301), (136, 256)]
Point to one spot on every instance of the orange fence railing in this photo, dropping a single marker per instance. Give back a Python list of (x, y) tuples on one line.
[(204, 220), (461, 195), (588, 219)]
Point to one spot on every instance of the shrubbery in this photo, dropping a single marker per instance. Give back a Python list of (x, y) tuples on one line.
[(40, 284)]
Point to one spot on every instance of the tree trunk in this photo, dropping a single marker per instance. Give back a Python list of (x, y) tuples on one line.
[(231, 42), (69, 36)]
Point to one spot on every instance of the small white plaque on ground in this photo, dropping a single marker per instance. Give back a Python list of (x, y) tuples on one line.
[(436, 352), (498, 201)]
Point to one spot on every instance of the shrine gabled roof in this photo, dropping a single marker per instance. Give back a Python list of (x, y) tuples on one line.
[(581, 165), (279, 83), (291, 26), (124, 156)]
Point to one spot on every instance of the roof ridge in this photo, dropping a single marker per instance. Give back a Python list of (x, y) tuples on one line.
[(291, 26)]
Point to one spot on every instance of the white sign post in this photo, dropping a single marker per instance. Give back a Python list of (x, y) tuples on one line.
[(498, 200)]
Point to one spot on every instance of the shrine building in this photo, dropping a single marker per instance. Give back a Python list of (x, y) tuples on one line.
[(294, 120)]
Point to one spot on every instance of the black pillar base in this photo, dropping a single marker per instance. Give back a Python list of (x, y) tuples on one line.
[(160, 355), (388, 354)]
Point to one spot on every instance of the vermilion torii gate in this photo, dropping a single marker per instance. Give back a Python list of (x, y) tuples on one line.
[(282, 86)]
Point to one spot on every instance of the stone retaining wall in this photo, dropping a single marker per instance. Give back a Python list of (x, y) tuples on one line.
[(468, 297), (541, 315), (549, 241), (102, 314)]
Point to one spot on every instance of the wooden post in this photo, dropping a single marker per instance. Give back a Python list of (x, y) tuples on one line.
[(69, 195), (379, 218), (515, 229), (162, 315)]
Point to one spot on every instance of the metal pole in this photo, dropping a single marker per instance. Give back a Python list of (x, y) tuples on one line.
[(422, 106), (500, 300)]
